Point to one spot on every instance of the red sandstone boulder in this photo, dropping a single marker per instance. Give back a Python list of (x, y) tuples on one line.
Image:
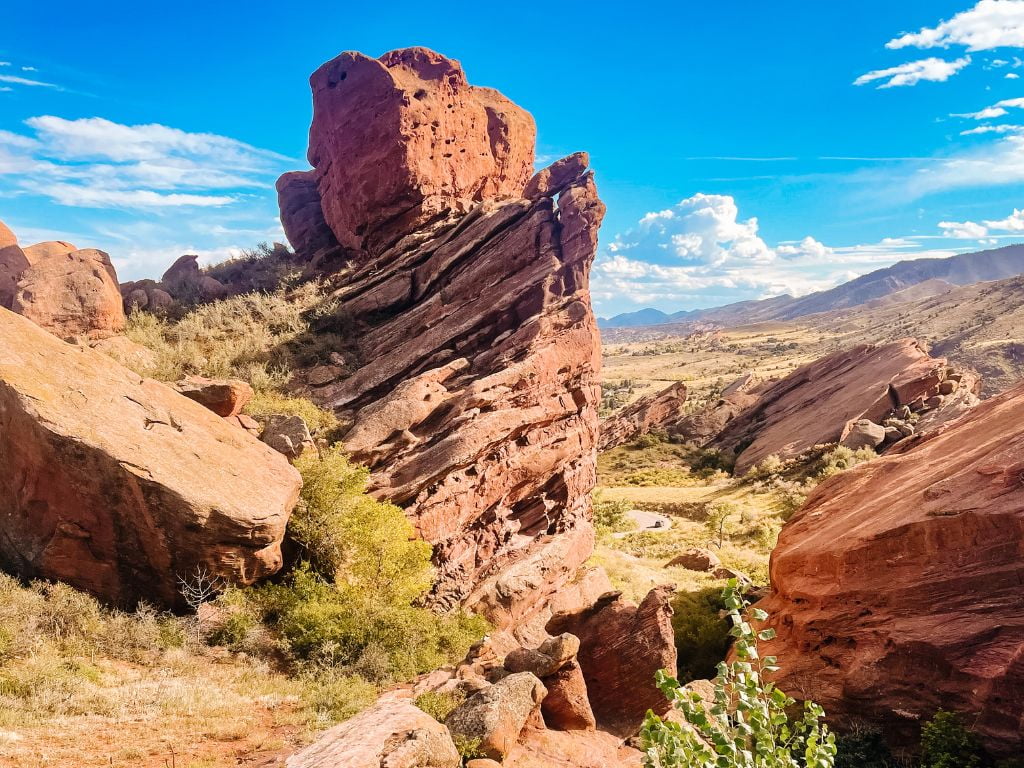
[(45, 250), (302, 216), (225, 397), (71, 295), (120, 486), (398, 140), (621, 647), (647, 414), (542, 748), (896, 589), (494, 717), (819, 402), (393, 733), (13, 262)]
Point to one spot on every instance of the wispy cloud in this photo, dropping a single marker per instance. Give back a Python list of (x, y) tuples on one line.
[(998, 109), (932, 69), (989, 24), (15, 80), (97, 163)]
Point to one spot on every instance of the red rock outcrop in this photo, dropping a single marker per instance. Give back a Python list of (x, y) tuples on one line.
[(703, 425), (817, 403), (621, 647), (120, 486), (13, 262), (302, 217), (896, 589), (647, 414), (472, 349), (45, 250), (72, 294), (225, 397), (410, 122)]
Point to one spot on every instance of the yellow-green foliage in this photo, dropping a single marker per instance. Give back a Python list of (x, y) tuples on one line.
[(702, 634), (351, 606), (440, 704), (252, 337), (269, 403)]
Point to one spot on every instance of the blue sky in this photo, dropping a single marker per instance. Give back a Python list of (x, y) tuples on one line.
[(738, 156)]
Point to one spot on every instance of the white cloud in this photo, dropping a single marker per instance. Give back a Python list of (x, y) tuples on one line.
[(1011, 76), (29, 69), (97, 163), (703, 230), (962, 230), (931, 69), (999, 129), (5, 63), (996, 110), (989, 24), (1012, 223), (15, 80), (806, 248)]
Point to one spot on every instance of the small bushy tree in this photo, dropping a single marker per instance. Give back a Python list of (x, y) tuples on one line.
[(947, 743), (747, 725)]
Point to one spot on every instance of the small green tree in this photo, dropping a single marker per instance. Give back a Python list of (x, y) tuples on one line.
[(947, 743), (718, 515), (747, 726)]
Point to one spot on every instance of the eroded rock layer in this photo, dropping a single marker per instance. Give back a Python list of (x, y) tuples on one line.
[(472, 354), (818, 403), (122, 487), (654, 412), (896, 590)]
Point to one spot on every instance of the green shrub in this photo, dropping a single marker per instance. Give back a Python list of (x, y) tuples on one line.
[(863, 747), (610, 515), (840, 458), (440, 704), (747, 726), (947, 743), (702, 635)]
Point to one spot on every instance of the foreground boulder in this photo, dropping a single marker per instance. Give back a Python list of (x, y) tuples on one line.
[(622, 646), (896, 589), (704, 424), (72, 294), (393, 733), (225, 397), (654, 412), (471, 347), (820, 402), (120, 486), (494, 717)]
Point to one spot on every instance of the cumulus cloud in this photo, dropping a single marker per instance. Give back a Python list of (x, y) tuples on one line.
[(702, 253), (932, 69), (989, 24), (972, 230), (97, 163)]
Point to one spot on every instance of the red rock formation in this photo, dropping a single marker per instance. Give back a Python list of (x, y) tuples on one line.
[(472, 346), (647, 414), (703, 425), (302, 217), (225, 397), (118, 485), (621, 647), (71, 295), (13, 262), (45, 250), (896, 590), (817, 403), (410, 122)]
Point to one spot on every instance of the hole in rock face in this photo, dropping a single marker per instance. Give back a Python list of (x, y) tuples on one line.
[(420, 94)]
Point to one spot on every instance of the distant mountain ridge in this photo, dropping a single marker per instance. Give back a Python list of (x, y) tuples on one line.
[(932, 275)]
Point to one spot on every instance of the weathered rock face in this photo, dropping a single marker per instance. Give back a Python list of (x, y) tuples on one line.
[(393, 733), (225, 397), (45, 250), (399, 140), (13, 262), (473, 353), (496, 716), (118, 485), (302, 217), (896, 590), (819, 402), (703, 425), (72, 294), (653, 412), (621, 647)]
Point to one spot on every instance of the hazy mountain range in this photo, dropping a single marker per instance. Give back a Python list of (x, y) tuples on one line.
[(903, 281)]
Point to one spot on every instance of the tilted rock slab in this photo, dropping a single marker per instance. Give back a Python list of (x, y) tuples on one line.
[(703, 425), (818, 402), (649, 413), (120, 486), (896, 590), (471, 343), (13, 262)]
